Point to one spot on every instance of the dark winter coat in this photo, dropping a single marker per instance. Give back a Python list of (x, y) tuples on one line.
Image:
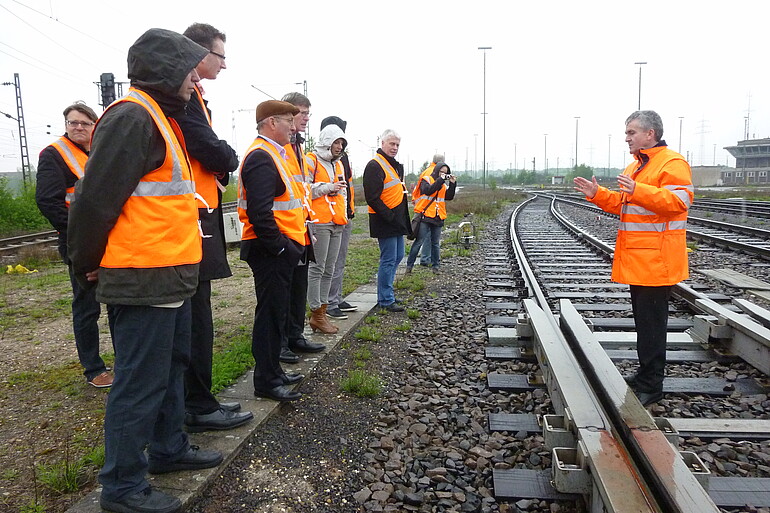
[(127, 145), (53, 179)]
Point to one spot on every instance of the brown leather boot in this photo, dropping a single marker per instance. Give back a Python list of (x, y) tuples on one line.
[(319, 322)]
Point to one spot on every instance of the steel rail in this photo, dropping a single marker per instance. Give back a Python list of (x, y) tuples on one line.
[(13, 244)]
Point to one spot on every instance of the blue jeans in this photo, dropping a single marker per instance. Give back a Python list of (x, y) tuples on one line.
[(146, 402), (391, 254), (429, 233), (85, 318)]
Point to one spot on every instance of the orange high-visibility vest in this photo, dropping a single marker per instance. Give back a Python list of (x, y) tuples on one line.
[(435, 203), (297, 167), (158, 226), (288, 208), (75, 158), (651, 245), (327, 209), (393, 189), (416, 191), (206, 184)]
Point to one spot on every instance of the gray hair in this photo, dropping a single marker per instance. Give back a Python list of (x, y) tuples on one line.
[(296, 99), (438, 157), (389, 134), (648, 119)]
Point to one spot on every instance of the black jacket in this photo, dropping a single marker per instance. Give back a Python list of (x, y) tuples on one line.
[(218, 158), (54, 177), (385, 222), (127, 145)]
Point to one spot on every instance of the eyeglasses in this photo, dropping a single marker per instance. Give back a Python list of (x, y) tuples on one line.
[(288, 120), (305, 113), (217, 54), (83, 124)]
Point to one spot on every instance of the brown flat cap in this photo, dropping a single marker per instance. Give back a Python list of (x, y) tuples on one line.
[(274, 108)]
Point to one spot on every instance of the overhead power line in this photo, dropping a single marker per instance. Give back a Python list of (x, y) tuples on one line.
[(70, 27), (73, 53)]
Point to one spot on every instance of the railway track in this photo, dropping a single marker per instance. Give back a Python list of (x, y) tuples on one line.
[(12, 245), (557, 305)]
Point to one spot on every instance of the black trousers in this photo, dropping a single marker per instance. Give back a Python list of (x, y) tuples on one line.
[(273, 277), (295, 322), (650, 308), (198, 398)]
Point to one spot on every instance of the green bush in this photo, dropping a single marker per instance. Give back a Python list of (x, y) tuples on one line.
[(19, 212)]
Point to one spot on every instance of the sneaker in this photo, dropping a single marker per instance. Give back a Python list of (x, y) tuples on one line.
[(408, 270), (393, 307), (347, 307), (336, 313), (148, 500), (103, 380)]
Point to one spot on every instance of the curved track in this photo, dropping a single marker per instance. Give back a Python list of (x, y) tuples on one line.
[(579, 326)]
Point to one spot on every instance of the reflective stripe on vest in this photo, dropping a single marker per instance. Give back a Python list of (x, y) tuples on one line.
[(158, 224), (75, 159), (288, 209), (327, 209), (206, 184), (681, 192), (392, 195)]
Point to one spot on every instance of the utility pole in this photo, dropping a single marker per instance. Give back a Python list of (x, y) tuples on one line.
[(577, 125), (484, 126), (26, 170)]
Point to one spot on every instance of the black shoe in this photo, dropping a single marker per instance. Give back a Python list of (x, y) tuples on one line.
[(424, 265), (303, 345), (219, 420), (336, 313), (288, 356), (230, 406), (648, 398), (194, 459), (630, 380), (292, 379), (148, 500), (393, 307), (279, 393), (347, 307)]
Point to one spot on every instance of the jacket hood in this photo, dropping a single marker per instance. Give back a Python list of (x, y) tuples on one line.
[(161, 59), (440, 165), (326, 138)]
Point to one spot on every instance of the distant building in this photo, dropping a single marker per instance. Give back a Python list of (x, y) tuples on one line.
[(752, 163), (557, 180), (707, 176)]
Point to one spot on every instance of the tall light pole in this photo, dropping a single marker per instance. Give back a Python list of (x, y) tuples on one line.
[(484, 117), (577, 125), (545, 153), (680, 134), (639, 105)]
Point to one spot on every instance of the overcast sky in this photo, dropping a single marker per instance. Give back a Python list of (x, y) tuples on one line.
[(414, 66)]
